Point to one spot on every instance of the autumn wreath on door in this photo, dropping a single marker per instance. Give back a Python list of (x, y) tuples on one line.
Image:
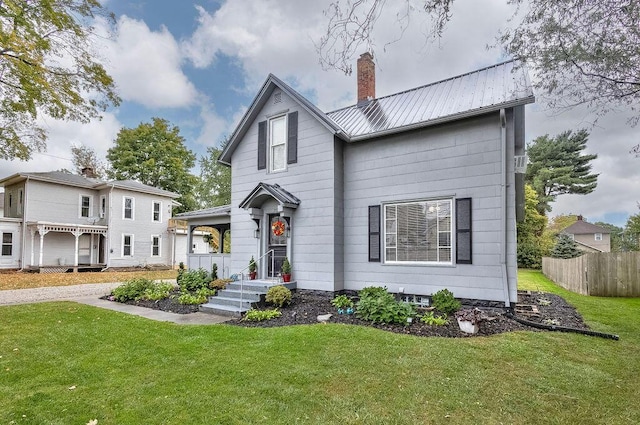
[(278, 228)]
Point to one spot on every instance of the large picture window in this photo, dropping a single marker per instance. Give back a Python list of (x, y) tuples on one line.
[(278, 143), (418, 232)]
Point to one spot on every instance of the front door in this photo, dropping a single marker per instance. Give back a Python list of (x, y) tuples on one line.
[(84, 249), (277, 243)]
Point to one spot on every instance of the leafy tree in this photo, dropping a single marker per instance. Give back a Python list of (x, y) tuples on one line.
[(47, 67), (558, 166), (154, 154), (86, 157), (582, 51), (632, 232), (565, 247), (560, 222), (214, 186), (533, 241)]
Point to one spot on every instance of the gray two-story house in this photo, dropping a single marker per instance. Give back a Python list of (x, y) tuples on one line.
[(415, 191), (58, 221)]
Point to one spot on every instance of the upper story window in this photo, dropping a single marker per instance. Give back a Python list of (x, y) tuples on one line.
[(156, 211), (418, 232), (278, 143), (128, 206), (103, 206), (7, 244), (598, 236), (20, 201), (85, 206)]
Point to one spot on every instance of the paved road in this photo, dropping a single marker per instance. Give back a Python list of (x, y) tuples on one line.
[(90, 294)]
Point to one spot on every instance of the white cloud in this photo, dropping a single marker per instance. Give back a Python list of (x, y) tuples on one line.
[(146, 65)]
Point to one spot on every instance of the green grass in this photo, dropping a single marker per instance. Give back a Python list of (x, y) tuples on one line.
[(129, 370)]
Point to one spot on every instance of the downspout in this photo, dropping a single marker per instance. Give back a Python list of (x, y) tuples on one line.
[(24, 226), (503, 216)]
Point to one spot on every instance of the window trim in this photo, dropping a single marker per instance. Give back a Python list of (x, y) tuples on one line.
[(89, 207), (124, 207), (153, 212), (4, 244), (451, 232), (284, 144), (159, 254), (131, 244)]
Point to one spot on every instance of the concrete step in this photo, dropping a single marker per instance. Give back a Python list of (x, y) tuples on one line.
[(237, 294), (223, 310), (221, 300)]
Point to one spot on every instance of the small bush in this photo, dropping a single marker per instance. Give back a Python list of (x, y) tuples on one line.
[(445, 302), (181, 271), (199, 297), (214, 271), (278, 296), (219, 283), (433, 320), (158, 291), (192, 280), (133, 289), (342, 301), (379, 306), (254, 315)]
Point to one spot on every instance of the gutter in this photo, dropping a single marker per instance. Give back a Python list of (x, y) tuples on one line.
[(503, 205)]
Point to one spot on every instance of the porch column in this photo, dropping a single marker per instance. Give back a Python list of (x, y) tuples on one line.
[(33, 236), (77, 233), (42, 231)]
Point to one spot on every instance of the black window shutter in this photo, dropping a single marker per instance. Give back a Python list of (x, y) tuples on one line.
[(463, 231), (374, 233), (292, 131), (262, 145)]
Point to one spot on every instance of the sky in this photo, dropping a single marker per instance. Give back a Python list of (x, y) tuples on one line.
[(199, 65)]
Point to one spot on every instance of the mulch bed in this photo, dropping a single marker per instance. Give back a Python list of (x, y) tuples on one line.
[(306, 306)]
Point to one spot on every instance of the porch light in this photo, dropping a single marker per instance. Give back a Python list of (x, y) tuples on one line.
[(256, 233)]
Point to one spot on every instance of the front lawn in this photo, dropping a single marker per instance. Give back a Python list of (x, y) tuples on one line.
[(24, 280), (64, 363)]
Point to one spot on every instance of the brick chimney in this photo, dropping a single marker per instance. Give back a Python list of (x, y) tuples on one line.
[(88, 172), (366, 78)]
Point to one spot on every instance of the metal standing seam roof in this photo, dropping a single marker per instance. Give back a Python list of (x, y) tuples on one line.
[(278, 193), (488, 89)]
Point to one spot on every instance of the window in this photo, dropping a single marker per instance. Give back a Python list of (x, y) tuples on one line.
[(85, 206), (127, 245), (278, 143), (7, 244), (128, 208), (103, 206), (156, 216), (418, 232), (155, 246), (20, 201)]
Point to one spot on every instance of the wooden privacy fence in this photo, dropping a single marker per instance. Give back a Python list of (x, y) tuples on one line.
[(602, 274)]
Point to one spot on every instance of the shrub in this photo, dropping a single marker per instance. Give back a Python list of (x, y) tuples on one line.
[(192, 280), (286, 266), (445, 302), (180, 272), (278, 296), (158, 291), (219, 283), (254, 315), (342, 301), (199, 297), (133, 289), (379, 306), (433, 320)]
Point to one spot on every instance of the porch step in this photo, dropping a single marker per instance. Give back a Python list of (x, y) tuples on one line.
[(227, 301)]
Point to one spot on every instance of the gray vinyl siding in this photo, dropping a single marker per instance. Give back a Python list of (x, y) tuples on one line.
[(58, 203), (457, 160), (142, 227), (311, 179)]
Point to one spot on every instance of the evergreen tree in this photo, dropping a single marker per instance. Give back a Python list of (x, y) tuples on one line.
[(565, 247), (557, 166)]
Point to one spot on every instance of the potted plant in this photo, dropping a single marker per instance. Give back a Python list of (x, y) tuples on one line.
[(252, 268), (343, 304), (468, 320), (286, 270)]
